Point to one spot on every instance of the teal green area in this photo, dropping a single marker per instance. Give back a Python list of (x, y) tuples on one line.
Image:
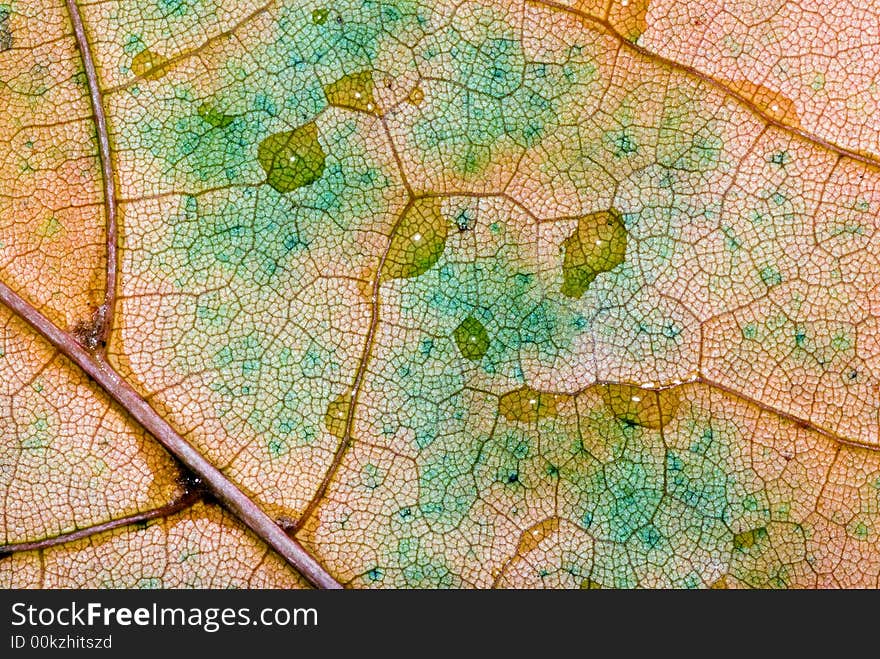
[(263, 339), (333, 40), (259, 235), (483, 49), (646, 504), (654, 501), (246, 260), (770, 276), (495, 103), (201, 141), (467, 129), (506, 297), (174, 8), (245, 233), (419, 565), (39, 433)]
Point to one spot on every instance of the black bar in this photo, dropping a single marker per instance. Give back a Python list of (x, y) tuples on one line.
[(431, 623)]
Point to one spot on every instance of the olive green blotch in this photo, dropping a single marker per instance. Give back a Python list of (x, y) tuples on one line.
[(598, 244), (214, 118), (336, 418), (471, 338), (589, 584), (293, 158), (744, 541), (527, 405), (149, 65), (5, 32), (353, 91), (319, 16), (417, 240), (641, 407)]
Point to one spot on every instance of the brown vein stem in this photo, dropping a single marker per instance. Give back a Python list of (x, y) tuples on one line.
[(104, 316), (182, 502), (236, 501), (356, 386)]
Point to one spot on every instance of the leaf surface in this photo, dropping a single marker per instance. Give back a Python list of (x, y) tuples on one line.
[(511, 294)]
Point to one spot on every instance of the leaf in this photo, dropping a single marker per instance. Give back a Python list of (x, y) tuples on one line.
[(485, 294), (825, 89), (199, 548)]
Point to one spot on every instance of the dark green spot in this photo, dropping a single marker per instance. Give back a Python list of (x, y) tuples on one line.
[(770, 276), (276, 447), (624, 145), (526, 405), (598, 244), (319, 16), (860, 530), (336, 417), (635, 406), (744, 541), (731, 241), (5, 32), (149, 65), (293, 158), (780, 158), (213, 118), (353, 91), (471, 338), (417, 241)]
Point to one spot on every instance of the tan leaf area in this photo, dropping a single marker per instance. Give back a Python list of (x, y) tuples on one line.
[(70, 458), (202, 547), (808, 64), (50, 179)]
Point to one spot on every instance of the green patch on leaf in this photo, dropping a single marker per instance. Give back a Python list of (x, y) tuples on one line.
[(641, 407), (471, 338), (526, 405), (353, 91), (213, 117), (417, 241), (745, 541), (319, 16), (597, 245), (293, 158)]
